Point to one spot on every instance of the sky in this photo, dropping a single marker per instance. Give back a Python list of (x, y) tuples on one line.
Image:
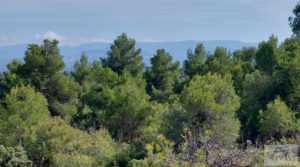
[(75, 22)]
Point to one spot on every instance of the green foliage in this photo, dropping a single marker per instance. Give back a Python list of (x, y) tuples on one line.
[(41, 62), (54, 142), (123, 55), (162, 76), (25, 108), (196, 115), (81, 69), (294, 100), (14, 157), (95, 90), (277, 120), (245, 54), (100, 76), (266, 57), (62, 92), (195, 63), (43, 69), (289, 65), (174, 120), (126, 110), (257, 90), (220, 62), (154, 122), (73, 160), (10, 78), (295, 21), (244, 64), (211, 103), (65, 110), (112, 102)]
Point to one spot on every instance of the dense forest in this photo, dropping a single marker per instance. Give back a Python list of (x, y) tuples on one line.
[(216, 109)]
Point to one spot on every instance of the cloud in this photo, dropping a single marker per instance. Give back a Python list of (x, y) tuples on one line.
[(64, 40), (49, 35)]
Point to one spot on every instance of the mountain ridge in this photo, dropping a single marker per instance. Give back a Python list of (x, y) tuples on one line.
[(96, 50)]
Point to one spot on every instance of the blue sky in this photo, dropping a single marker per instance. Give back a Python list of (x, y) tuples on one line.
[(80, 21)]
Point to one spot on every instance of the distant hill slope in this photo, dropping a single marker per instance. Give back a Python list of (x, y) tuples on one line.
[(96, 50)]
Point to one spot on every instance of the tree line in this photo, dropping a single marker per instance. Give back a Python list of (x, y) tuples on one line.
[(216, 109)]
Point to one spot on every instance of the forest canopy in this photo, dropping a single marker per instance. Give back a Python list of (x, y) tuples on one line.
[(214, 109)]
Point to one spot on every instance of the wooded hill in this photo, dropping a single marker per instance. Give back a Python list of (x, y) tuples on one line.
[(217, 109)]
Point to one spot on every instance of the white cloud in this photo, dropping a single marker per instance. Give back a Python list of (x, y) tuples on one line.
[(49, 35), (66, 40)]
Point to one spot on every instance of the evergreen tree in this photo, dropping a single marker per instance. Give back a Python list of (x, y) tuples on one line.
[(97, 81), (10, 78), (266, 57), (211, 103), (295, 21), (257, 91), (220, 62), (162, 76), (55, 143), (126, 110), (41, 62), (81, 69), (195, 62), (278, 121), (287, 73), (243, 65), (25, 108), (123, 55), (62, 93), (43, 69)]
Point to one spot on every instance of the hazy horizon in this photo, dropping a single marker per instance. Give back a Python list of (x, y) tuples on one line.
[(110, 42), (75, 22)]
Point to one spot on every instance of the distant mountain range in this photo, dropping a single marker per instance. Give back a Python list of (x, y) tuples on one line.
[(96, 50)]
